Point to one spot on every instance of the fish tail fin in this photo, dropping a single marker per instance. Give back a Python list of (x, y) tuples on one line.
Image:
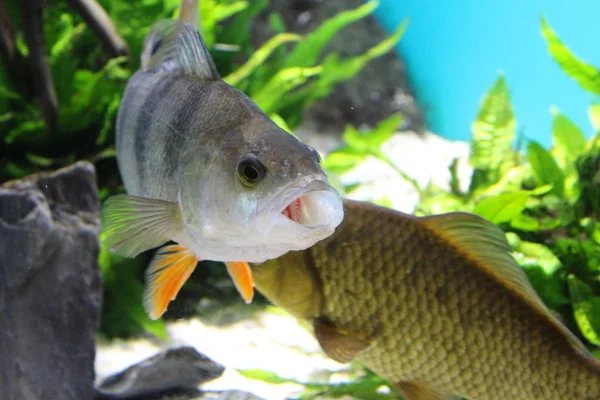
[(177, 47)]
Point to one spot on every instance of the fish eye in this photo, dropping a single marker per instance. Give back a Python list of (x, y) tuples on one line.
[(250, 170)]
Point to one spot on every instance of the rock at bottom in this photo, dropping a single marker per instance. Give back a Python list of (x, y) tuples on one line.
[(174, 370), (50, 285)]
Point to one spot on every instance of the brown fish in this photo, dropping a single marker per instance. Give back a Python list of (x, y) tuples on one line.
[(436, 305)]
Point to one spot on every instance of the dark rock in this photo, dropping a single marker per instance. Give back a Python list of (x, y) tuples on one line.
[(50, 286), (378, 91), (173, 370)]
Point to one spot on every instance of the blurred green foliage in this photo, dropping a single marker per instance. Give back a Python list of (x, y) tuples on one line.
[(284, 76), (547, 201), (362, 385)]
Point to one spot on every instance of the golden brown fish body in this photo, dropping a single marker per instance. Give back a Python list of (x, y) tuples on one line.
[(435, 305)]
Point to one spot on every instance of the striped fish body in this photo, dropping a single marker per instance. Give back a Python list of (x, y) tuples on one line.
[(205, 168), (166, 120)]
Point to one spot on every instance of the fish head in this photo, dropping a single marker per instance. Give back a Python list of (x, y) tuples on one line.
[(259, 200)]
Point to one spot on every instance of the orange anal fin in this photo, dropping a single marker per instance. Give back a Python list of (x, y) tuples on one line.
[(170, 268), (241, 274)]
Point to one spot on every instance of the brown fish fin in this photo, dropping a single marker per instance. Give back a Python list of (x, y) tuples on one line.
[(178, 47), (241, 274), (486, 244), (169, 269), (420, 391), (338, 346), (131, 225)]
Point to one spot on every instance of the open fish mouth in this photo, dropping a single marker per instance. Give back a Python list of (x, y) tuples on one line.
[(316, 205)]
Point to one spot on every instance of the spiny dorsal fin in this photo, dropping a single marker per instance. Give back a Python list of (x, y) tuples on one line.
[(175, 46), (486, 244)]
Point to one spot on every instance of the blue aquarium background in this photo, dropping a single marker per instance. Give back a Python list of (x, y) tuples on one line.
[(455, 49)]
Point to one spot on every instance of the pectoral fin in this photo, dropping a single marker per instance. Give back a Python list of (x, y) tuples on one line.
[(169, 269), (338, 346), (131, 225), (241, 274), (421, 391)]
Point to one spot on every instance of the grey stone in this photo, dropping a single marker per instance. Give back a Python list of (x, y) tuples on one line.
[(171, 370), (50, 285), (377, 92)]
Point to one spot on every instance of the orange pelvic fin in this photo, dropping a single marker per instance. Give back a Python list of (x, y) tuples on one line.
[(241, 274), (167, 273)]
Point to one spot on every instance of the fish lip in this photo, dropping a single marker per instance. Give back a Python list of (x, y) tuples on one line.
[(294, 191)]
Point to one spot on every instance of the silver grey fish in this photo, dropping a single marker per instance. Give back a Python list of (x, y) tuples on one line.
[(204, 167)]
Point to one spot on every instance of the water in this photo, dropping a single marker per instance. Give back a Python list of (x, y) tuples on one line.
[(454, 50)]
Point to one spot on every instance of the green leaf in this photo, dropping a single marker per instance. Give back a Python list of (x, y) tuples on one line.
[(594, 116), (545, 168), (24, 129), (543, 256), (259, 57), (307, 53), (548, 286), (370, 142), (212, 12), (568, 140), (343, 160), (283, 82), (384, 130), (529, 224), (493, 132), (264, 376), (39, 160), (543, 268), (276, 22), (109, 119), (585, 74), (503, 207), (586, 309)]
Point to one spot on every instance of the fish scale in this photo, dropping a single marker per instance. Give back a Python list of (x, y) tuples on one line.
[(428, 313)]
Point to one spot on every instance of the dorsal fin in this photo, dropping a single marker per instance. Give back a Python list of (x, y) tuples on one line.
[(175, 46), (486, 244)]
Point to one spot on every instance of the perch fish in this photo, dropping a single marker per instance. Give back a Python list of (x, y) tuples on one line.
[(435, 305), (205, 168)]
